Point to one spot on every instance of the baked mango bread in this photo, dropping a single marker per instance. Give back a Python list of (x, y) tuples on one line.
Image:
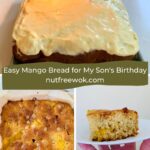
[(53, 30), (110, 125), (37, 125)]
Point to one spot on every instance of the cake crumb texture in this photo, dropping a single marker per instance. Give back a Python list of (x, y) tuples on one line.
[(110, 125)]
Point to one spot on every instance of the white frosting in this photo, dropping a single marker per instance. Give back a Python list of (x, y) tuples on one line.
[(73, 27), (53, 95)]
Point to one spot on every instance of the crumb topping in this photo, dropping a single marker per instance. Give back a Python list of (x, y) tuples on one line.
[(34, 124)]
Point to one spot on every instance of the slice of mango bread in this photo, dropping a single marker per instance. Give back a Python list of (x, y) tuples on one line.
[(110, 125)]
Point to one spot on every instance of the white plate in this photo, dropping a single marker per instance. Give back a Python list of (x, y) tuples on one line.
[(83, 134)]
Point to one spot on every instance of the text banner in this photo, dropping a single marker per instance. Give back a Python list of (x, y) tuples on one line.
[(53, 75)]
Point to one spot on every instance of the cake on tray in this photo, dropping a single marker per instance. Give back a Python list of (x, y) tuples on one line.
[(28, 122), (73, 31)]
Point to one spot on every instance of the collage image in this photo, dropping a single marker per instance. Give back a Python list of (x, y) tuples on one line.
[(63, 34)]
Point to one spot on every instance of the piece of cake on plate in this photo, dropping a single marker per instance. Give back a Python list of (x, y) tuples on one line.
[(110, 125)]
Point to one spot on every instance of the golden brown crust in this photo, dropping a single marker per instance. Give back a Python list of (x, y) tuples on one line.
[(95, 56), (37, 124), (109, 112)]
